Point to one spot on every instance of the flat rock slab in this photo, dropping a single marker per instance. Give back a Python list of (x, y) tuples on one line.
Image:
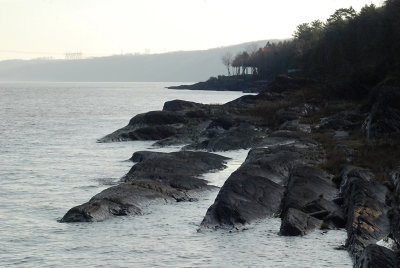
[(157, 178)]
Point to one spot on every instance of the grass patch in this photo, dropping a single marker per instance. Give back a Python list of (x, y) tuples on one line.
[(381, 156), (265, 112), (328, 109)]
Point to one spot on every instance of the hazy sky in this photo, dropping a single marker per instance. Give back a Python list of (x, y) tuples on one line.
[(38, 28)]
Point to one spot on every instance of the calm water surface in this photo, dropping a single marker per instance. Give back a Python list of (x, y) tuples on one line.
[(50, 161)]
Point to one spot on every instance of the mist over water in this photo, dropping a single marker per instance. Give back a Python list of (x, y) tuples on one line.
[(50, 162)]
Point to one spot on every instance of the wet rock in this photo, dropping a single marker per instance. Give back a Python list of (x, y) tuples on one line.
[(157, 118), (243, 198), (296, 222), (255, 190), (306, 185), (375, 256), (365, 207), (156, 178), (153, 125), (388, 242), (120, 200), (177, 169), (311, 191), (243, 136), (181, 105)]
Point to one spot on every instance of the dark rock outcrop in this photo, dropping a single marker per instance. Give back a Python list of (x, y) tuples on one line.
[(181, 105), (243, 136), (227, 83), (375, 256), (156, 178), (311, 191), (384, 117), (255, 190), (155, 125), (394, 213), (296, 222), (366, 209), (309, 186)]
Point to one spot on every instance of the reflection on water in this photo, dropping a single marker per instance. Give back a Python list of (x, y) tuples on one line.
[(50, 161)]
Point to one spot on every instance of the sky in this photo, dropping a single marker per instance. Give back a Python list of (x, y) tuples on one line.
[(50, 28)]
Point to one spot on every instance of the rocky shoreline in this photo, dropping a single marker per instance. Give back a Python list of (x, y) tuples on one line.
[(302, 166), (245, 84)]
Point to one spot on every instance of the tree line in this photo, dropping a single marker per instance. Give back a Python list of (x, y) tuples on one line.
[(349, 52)]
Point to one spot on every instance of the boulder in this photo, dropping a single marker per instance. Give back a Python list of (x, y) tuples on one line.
[(308, 185), (375, 256), (296, 222), (242, 199), (181, 105)]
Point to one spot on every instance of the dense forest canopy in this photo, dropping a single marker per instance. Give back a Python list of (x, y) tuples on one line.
[(349, 53)]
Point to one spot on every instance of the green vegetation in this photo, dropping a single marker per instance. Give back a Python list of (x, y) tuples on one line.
[(349, 53)]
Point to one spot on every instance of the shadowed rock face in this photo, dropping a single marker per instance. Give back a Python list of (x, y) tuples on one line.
[(395, 217), (366, 209), (306, 185), (384, 117), (243, 199), (310, 192), (375, 256), (296, 223), (256, 189), (156, 178)]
